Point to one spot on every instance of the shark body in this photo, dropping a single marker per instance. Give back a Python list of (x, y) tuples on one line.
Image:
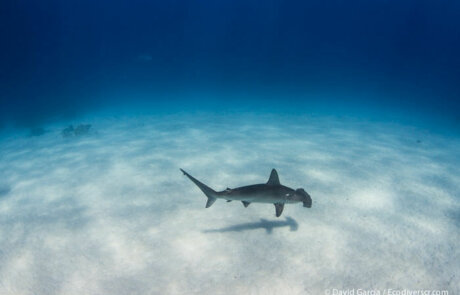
[(271, 192)]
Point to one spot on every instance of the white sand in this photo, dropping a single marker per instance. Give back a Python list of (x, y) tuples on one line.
[(110, 212)]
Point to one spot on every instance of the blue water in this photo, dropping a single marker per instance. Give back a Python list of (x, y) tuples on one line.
[(60, 59), (357, 102)]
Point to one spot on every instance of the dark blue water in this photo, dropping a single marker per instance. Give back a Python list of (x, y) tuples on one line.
[(390, 60)]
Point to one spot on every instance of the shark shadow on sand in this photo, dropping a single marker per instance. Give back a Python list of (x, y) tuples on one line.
[(263, 223)]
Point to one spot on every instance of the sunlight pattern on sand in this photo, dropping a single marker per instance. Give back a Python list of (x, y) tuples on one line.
[(110, 212)]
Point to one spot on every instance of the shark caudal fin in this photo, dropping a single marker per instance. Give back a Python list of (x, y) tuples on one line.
[(209, 192)]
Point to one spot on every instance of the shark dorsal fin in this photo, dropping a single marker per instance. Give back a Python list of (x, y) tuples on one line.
[(274, 180)]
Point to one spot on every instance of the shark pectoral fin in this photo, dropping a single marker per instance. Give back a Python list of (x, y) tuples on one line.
[(279, 209), (245, 203), (210, 201), (274, 179)]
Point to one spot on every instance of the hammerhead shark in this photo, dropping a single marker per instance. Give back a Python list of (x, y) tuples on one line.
[(271, 192)]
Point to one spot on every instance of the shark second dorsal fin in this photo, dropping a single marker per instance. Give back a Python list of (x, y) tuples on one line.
[(273, 180)]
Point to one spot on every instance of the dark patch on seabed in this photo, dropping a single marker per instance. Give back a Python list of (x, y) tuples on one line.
[(455, 216), (4, 190)]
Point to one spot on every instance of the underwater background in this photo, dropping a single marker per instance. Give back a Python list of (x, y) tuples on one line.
[(393, 59), (101, 103)]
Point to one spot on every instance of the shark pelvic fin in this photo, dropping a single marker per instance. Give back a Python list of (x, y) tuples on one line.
[(274, 179), (245, 203), (279, 209)]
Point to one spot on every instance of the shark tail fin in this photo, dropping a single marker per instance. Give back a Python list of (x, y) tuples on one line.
[(209, 192)]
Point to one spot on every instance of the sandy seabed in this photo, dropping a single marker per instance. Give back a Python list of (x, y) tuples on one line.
[(110, 212)]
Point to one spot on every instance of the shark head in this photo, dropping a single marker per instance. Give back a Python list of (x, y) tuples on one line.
[(304, 197)]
